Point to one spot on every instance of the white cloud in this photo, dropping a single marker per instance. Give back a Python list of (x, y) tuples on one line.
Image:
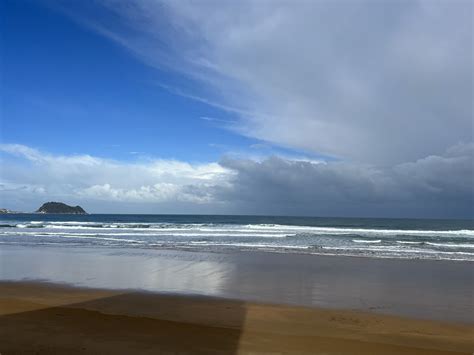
[(86, 177), (160, 192), (377, 82)]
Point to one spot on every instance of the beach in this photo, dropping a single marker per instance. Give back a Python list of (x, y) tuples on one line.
[(114, 300), (121, 284), (236, 177), (44, 318)]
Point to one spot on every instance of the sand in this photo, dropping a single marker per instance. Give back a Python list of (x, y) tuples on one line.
[(42, 318), (428, 289)]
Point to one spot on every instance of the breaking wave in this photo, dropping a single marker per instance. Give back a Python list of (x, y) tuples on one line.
[(428, 243)]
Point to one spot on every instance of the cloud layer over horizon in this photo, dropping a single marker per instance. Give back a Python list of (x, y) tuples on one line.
[(435, 186)]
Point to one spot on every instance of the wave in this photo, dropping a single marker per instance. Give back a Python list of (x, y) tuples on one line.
[(101, 238), (253, 245), (409, 242), (446, 245), (164, 234), (342, 230), (455, 244), (266, 228), (400, 251)]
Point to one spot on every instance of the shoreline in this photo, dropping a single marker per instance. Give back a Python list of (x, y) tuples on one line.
[(275, 251), (50, 318), (297, 251)]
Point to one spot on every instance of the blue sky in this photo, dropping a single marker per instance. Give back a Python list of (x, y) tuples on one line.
[(313, 108), (66, 89)]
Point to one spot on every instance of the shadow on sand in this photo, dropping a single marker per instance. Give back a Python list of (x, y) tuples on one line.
[(131, 323), (43, 318)]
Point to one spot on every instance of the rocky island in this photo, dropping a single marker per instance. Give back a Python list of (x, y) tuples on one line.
[(59, 207)]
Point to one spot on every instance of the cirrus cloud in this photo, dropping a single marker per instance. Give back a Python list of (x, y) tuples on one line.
[(370, 81)]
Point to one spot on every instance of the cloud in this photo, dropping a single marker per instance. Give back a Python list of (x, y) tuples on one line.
[(367, 81), (434, 186), (447, 177), (30, 174)]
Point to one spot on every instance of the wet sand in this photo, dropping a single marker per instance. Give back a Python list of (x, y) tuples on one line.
[(42, 318), (57, 300), (435, 290)]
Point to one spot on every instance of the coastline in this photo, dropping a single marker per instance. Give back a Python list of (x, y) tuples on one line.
[(50, 318)]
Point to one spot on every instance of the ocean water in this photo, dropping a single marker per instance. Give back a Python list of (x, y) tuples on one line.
[(379, 238)]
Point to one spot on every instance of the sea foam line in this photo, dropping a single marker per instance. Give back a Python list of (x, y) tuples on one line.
[(400, 251), (289, 229), (188, 234)]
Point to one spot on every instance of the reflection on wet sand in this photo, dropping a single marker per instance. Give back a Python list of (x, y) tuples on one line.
[(423, 289), (164, 272)]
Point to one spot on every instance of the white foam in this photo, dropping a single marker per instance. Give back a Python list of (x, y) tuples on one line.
[(266, 228), (189, 234), (451, 245), (102, 238), (369, 242), (447, 245), (253, 245), (401, 251), (342, 230)]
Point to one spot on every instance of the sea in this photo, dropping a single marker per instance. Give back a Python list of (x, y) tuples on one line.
[(433, 239)]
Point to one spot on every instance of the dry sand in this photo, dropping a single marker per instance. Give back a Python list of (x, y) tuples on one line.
[(40, 318)]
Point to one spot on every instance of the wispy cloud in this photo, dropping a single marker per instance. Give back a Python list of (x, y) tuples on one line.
[(214, 119), (207, 101), (378, 82)]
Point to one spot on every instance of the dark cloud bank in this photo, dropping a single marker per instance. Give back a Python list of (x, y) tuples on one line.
[(436, 186)]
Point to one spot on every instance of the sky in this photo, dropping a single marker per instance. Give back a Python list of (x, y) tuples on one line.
[(317, 108)]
